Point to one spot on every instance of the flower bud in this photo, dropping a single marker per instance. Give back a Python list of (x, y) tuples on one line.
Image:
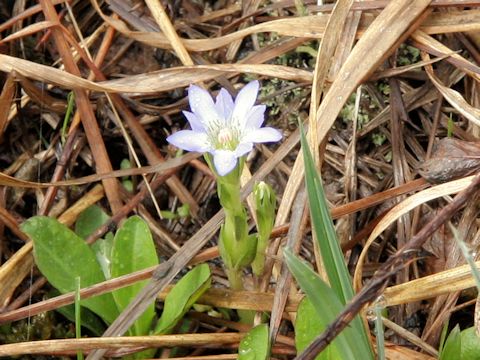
[(265, 201)]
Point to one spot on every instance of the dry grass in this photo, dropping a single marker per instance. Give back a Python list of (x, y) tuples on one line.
[(412, 63)]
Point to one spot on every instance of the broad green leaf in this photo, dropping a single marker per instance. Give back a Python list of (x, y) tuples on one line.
[(332, 256), (133, 250), (61, 256), (470, 344), (308, 327), (181, 298), (453, 345), (327, 304), (255, 345), (90, 220)]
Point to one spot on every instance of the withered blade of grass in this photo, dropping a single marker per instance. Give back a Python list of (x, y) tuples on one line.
[(248, 7), (454, 98), (402, 208), (14, 272), (155, 82), (6, 100), (335, 27), (160, 168), (24, 15), (400, 18), (283, 286), (310, 26), (399, 70), (29, 30), (389, 268), (161, 17), (432, 46), (85, 344), (92, 131), (443, 306), (307, 26), (40, 96)]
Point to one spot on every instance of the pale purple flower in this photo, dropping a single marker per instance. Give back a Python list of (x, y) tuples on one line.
[(224, 128)]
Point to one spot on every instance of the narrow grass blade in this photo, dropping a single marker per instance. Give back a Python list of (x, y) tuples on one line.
[(349, 344), (323, 226), (379, 332), (78, 315), (330, 249)]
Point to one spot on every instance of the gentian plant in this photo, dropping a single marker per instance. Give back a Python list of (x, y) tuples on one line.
[(225, 130)]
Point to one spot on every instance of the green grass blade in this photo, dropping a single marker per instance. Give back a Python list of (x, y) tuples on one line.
[(348, 344), (379, 332), (332, 255), (78, 316), (326, 236)]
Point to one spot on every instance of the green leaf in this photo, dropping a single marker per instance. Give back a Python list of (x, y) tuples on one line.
[(61, 256), (348, 343), (133, 250), (308, 327), (90, 220), (332, 255), (181, 298), (470, 344), (452, 346), (255, 344)]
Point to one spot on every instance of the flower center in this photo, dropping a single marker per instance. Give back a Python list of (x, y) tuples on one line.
[(224, 137)]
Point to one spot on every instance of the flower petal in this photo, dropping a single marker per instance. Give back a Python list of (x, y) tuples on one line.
[(255, 117), (243, 148), (224, 161), (266, 134), (194, 122), (244, 102), (224, 104), (202, 105), (190, 140)]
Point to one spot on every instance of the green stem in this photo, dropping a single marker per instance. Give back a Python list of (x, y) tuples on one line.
[(236, 248), (235, 279)]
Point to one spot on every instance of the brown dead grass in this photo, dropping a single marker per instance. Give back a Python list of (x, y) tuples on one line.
[(128, 65)]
